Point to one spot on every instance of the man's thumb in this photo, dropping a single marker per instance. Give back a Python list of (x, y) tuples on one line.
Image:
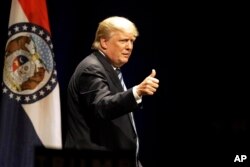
[(153, 73)]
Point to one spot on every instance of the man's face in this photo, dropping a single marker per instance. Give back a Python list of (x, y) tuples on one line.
[(118, 47)]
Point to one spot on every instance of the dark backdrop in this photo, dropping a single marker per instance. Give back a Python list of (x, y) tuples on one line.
[(198, 114)]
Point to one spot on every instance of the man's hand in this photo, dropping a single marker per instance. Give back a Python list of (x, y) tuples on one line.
[(149, 85)]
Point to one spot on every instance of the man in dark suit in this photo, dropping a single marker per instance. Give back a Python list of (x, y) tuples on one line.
[(100, 106)]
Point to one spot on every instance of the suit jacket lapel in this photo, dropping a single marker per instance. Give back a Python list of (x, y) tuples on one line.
[(109, 69)]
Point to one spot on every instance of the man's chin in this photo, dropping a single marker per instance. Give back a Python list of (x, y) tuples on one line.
[(124, 61)]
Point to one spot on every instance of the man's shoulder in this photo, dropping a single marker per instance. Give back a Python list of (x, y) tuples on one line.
[(90, 63), (89, 60)]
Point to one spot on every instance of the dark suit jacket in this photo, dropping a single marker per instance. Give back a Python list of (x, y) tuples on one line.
[(98, 108)]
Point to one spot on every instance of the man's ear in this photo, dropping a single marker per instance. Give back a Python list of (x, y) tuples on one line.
[(103, 43)]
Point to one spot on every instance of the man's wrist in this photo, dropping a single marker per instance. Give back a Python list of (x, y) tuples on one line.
[(137, 97)]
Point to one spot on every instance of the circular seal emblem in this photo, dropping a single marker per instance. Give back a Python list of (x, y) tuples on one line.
[(29, 68)]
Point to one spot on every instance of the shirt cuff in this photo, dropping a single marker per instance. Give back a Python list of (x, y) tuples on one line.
[(137, 97)]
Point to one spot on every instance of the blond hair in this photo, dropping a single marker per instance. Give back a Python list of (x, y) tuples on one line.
[(111, 24)]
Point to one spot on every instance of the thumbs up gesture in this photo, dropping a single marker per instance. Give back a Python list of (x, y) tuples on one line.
[(149, 85)]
